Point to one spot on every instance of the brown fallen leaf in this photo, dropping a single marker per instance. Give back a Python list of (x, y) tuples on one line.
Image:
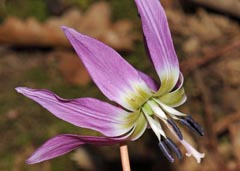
[(95, 22)]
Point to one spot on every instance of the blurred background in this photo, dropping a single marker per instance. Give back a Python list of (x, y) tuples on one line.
[(35, 53)]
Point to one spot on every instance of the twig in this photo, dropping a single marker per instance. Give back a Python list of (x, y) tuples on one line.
[(196, 62), (234, 135), (206, 98), (124, 157), (230, 6), (223, 124)]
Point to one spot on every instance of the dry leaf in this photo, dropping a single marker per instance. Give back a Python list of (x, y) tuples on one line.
[(202, 30), (96, 22), (231, 7)]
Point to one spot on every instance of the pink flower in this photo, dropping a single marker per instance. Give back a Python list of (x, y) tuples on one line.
[(143, 101)]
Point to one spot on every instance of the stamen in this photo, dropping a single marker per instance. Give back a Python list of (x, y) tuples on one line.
[(170, 110), (195, 125), (173, 147), (165, 151), (189, 148), (186, 123), (175, 128), (157, 110), (155, 125)]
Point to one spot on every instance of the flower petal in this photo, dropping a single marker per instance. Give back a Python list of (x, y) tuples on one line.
[(137, 131), (140, 127), (114, 76), (159, 42), (179, 83), (63, 144), (84, 112), (153, 84), (175, 98)]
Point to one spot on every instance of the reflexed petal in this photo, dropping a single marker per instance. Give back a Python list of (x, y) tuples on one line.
[(124, 137), (63, 144), (84, 112), (179, 83), (175, 98), (115, 77), (159, 43), (140, 127)]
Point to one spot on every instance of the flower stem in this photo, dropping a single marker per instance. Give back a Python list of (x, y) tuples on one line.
[(124, 157)]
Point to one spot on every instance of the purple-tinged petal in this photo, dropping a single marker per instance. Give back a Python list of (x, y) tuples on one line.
[(115, 77), (159, 43), (84, 112), (153, 84), (179, 83), (140, 125), (63, 144), (124, 137)]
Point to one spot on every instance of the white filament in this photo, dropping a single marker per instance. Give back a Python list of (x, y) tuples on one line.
[(157, 110), (169, 109), (155, 125)]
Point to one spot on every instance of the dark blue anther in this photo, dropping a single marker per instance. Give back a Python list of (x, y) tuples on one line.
[(192, 125), (198, 128), (185, 122), (173, 147), (165, 151), (175, 128)]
